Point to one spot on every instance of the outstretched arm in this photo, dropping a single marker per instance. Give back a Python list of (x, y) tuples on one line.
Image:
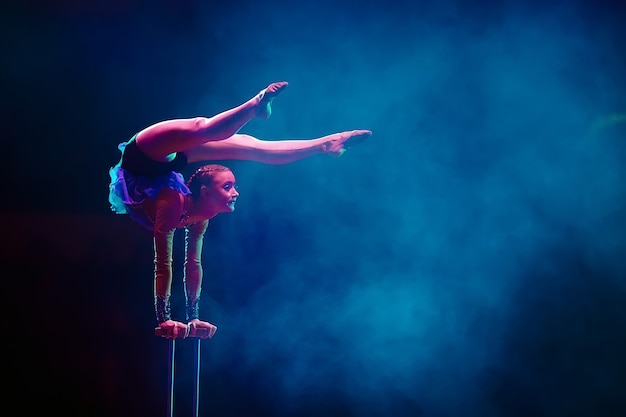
[(194, 235), (167, 214)]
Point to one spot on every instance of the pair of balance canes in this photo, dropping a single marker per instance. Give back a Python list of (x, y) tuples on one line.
[(196, 367)]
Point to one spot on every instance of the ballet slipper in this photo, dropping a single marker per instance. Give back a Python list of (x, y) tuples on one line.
[(265, 97), (343, 141)]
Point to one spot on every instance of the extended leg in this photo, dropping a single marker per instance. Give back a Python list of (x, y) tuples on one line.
[(246, 147), (163, 139)]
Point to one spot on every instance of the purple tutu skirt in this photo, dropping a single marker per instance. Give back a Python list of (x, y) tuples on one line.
[(127, 192)]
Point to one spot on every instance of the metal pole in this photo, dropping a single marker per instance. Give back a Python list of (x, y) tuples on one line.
[(196, 367), (170, 378)]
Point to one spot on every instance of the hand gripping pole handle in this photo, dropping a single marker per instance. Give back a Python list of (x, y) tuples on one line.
[(200, 332)]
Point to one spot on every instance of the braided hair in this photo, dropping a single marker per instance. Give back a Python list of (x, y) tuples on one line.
[(204, 175)]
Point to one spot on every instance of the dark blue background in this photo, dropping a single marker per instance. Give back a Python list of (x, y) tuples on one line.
[(467, 261)]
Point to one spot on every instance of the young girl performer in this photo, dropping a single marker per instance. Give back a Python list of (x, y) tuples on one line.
[(147, 185)]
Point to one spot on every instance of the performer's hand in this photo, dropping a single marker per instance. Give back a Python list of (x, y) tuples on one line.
[(174, 329), (197, 324)]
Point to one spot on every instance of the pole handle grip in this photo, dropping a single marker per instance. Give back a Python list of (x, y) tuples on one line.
[(200, 332)]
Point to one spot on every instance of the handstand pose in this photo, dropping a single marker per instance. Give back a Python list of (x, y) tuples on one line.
[(147, 185)]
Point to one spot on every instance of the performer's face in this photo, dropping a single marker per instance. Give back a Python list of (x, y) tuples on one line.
[(222, 194)]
